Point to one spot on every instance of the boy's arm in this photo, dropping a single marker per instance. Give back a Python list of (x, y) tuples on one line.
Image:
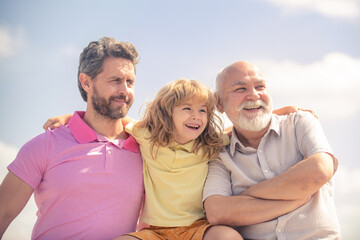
[(56, 122), (126, 120), (14, 194), (291, 109)]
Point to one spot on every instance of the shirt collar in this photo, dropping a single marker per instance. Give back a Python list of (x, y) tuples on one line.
[(83, 133), (235, 142), (187, 146)]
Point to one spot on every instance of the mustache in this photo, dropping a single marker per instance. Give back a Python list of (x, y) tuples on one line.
[(248, 104), (120, 97)]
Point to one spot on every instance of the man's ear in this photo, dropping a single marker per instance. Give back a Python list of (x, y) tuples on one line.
[(219, 103), (85, 81)]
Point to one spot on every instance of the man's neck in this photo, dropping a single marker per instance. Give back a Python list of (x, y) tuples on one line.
[(250, 138), (110, 128)]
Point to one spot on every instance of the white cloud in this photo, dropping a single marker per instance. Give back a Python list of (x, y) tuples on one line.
[(10, 41), (326, 86), (70, 51), (347, 9)]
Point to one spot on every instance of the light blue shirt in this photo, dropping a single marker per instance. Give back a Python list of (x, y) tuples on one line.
[(290, 139)]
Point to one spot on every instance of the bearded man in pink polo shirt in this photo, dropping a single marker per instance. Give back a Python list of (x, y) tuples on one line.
[(87, 176)]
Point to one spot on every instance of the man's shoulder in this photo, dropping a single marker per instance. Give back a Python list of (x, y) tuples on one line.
[(293, 119), (225, 153), (43, 140)]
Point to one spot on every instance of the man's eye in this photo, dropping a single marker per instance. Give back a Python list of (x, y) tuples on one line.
[(242, 89)]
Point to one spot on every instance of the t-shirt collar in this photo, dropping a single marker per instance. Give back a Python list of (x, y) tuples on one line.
[(83, 133)]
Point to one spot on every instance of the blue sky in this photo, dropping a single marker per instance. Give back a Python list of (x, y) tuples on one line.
[(308, 50)]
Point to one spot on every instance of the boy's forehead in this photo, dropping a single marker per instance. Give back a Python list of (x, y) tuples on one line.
[(199, 100)]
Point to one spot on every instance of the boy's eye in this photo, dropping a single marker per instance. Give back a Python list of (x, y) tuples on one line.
[(186, 108), (203, 110)]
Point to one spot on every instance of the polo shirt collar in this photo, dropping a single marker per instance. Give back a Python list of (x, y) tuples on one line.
[(187, 146), (83, 133), (235, 142)]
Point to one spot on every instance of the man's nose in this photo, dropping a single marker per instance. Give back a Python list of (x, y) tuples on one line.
[(123, 87), (253, 94)]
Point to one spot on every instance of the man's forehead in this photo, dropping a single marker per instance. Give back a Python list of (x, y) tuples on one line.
[(243, 70), (244, 77), (119, 65)]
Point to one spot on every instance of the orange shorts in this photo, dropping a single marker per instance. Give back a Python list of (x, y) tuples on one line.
[(193, 232)]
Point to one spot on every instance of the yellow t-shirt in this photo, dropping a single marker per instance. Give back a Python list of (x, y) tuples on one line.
[(173, 182)]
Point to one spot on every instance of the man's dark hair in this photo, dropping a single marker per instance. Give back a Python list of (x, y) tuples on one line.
[(92, 58)]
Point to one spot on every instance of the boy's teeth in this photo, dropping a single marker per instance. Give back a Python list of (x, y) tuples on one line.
[(193, 126)]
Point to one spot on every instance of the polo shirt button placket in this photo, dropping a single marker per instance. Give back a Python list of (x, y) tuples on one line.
[(108, 156)]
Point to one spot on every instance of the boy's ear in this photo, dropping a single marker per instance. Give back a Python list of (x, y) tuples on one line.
[(219, 103), (85, 81)]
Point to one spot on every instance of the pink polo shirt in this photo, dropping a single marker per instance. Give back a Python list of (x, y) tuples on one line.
[(85, 186)]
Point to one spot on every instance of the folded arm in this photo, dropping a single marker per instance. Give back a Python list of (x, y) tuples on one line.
[(223, 207), (14, 194), (246, 210), (301, 180)]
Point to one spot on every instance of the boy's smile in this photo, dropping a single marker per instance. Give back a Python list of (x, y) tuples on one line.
[(190, 120)]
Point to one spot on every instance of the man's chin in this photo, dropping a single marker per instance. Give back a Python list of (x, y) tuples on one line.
[(254, 124)]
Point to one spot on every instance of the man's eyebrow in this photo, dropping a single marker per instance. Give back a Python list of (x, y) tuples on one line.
[(242, 83), (239, 83), (260, 82), (122, 77)]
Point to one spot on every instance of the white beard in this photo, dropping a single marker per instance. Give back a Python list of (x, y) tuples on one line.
[(257, 121)]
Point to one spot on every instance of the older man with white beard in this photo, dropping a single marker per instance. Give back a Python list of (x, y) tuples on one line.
[(274, 179)]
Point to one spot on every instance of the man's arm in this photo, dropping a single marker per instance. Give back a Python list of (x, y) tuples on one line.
[(301, 180), (222, 208), (307, 176), (246, 210), (14, 194)]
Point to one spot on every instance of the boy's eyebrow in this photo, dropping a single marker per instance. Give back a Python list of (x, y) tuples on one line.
[(189, 104)]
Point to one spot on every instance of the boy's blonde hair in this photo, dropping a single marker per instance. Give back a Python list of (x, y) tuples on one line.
[(158, 118)]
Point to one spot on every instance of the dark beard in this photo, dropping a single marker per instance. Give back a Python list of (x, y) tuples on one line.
[(103, 107)]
